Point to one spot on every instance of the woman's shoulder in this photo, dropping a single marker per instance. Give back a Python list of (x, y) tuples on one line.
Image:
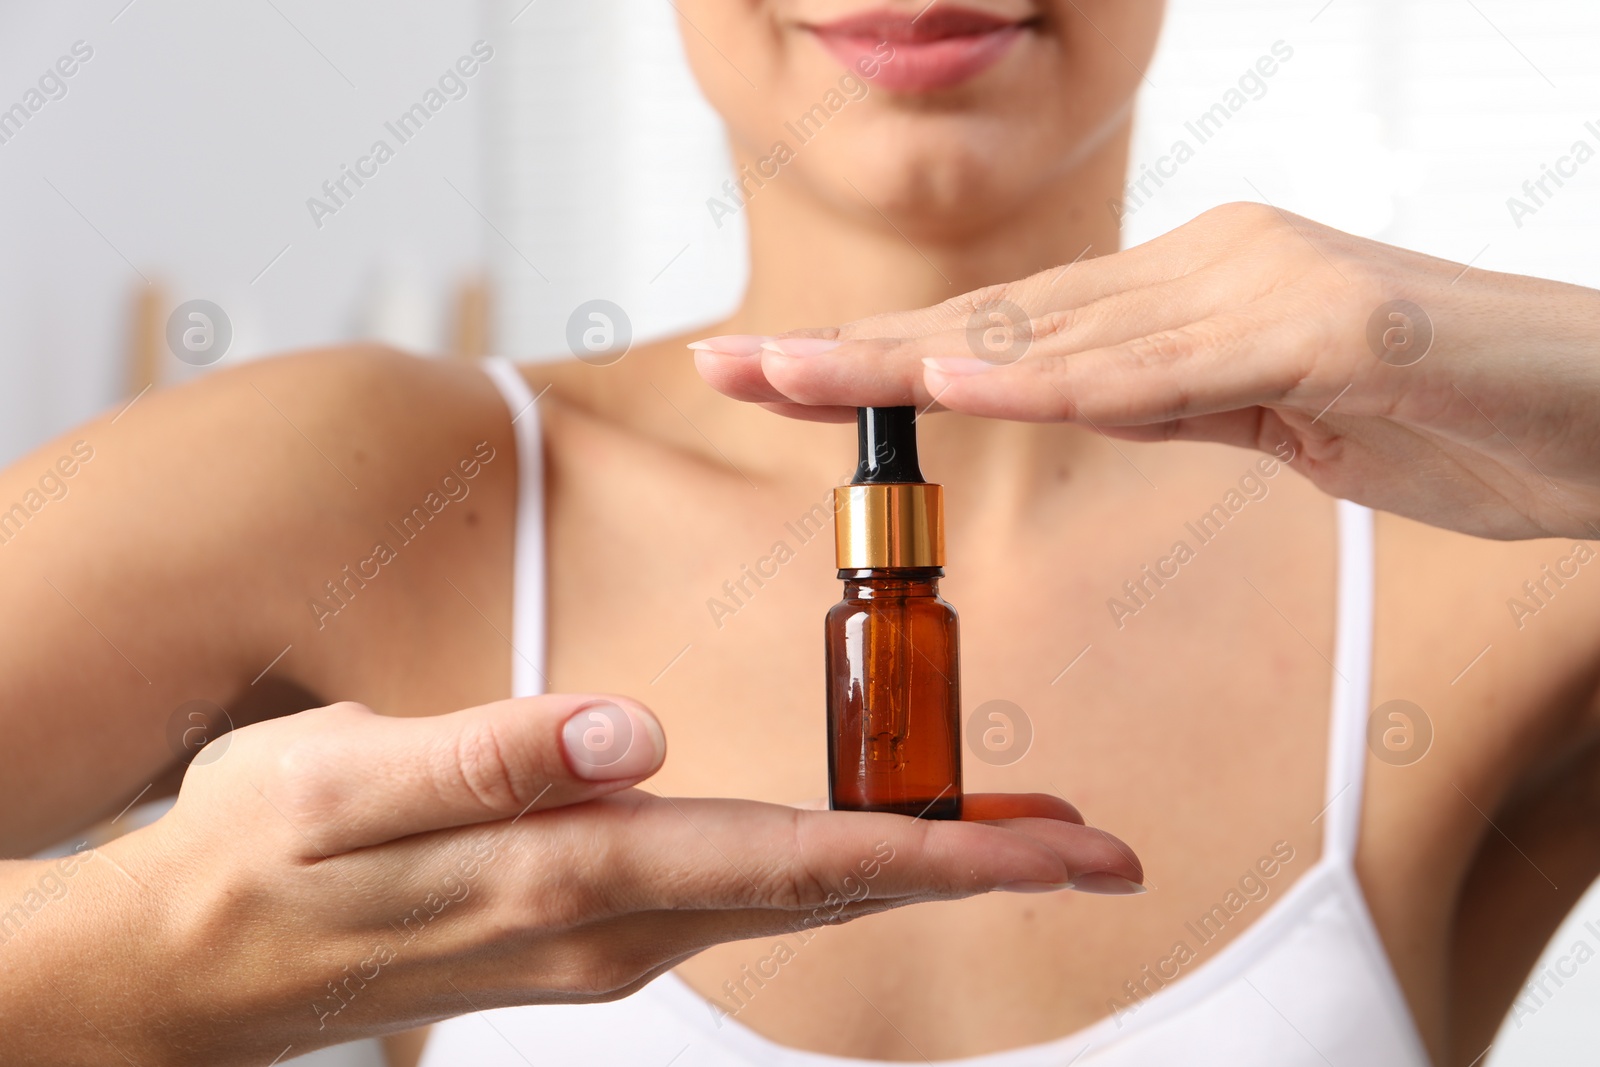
[(335, 435), (343, 416), (353, 411), (382, 385), (270, 470), (209, 528)]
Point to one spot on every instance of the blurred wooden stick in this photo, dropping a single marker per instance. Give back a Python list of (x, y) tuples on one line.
[(470, 332), (147, 337)]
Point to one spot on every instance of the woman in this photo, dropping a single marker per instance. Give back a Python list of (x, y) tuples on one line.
[(360, 526)]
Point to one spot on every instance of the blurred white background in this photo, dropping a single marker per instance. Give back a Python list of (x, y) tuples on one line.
[(178, 165)]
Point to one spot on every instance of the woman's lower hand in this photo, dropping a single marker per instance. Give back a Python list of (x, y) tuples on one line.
[(1465, 399), (338, 874)]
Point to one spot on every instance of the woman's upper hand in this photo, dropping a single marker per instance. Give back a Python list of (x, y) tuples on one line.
[(336, 874), (1462, 398)]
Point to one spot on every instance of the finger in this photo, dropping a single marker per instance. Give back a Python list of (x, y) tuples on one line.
[(1225, 363), (735, 374), (984, 807), (635, 946), (635, 852), (890, 370), (920, 860), (737, 869), (719, 853), (878, 372), (1092, 275), (744, 377), (734, 364), (740, 377), (354, 779), (1255, 427), (1094, 853)]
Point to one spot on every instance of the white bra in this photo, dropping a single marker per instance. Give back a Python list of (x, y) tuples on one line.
[(1308, 983)]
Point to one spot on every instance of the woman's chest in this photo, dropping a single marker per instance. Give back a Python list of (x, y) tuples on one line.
[(1187, 717)]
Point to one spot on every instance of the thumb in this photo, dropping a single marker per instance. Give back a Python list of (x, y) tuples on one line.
[(353, 778)]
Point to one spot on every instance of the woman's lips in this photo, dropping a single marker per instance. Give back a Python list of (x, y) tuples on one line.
[(939, 49)]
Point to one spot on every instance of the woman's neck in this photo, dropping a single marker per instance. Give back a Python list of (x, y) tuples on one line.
[(817, 264), (814, 264)]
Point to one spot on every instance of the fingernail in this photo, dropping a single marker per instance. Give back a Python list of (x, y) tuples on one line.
[(1033, 887), (732, 344), (958, 366), (1106, 884), (605, 742), (801, 346)]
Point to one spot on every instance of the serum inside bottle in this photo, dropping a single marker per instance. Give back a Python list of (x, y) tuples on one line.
[(894, 694)]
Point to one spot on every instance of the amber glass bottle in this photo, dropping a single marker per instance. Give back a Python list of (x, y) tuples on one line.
[(894, 695)]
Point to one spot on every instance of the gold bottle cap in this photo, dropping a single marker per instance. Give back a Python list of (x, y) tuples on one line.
[(888, 524)]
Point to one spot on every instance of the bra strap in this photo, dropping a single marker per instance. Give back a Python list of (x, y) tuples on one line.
[(528, 566), (1352, 682)]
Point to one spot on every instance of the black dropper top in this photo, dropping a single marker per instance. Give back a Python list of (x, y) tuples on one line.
[(887, 442)]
